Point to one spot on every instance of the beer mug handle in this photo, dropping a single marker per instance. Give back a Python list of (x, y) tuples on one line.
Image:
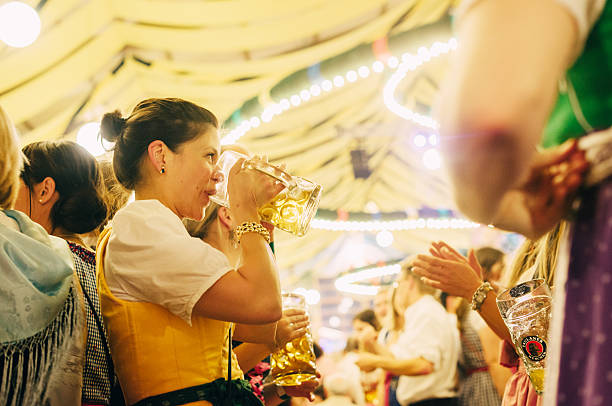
[(274, 171)]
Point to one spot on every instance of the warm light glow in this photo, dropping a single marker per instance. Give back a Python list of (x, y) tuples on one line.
[(384, 238), (432, 159), (393, 225), (334, 321), (312, 296), (419, 140), (338, 81), (349, 283), (433, 139), (327, 85), (351, 76), (87, 137), (19, 24), (378, 67), (363, 71)]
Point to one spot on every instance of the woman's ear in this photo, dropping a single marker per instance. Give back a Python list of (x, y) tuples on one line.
[(157, 156), (44, 190), (225, 218)]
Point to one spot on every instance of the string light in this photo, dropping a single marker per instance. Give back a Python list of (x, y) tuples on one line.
[(408, 62), (350, 283), (394, 225), (19, 24)]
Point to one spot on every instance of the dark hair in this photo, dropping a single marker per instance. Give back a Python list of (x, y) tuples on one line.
[(487, 257), (368, 316), (78, 181), (318, 351), (172, 121)]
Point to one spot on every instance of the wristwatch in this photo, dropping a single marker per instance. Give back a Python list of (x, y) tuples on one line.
[(280, 391)]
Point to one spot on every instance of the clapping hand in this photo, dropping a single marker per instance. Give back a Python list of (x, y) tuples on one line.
[(449, 271)]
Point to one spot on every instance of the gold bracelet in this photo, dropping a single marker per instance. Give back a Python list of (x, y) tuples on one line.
[(480, 295), (251, 227)]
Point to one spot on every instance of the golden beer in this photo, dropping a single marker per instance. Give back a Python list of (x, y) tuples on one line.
[(526, 311), (294, 207), (294, 363)]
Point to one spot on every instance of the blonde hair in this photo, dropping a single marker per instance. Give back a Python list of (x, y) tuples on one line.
[(541, 253), (11, 161)]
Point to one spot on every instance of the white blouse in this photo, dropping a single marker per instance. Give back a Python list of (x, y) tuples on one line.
[(151, 257)]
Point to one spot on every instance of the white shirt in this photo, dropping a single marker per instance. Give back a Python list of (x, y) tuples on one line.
[(429, 332), (152, 258)]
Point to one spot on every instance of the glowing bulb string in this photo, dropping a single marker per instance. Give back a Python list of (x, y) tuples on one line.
[(325, 85)]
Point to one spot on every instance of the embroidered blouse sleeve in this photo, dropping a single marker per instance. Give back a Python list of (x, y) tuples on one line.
[(151, 257)]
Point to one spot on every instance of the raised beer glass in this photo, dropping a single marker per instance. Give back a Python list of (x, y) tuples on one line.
[(526, 310), (291, 210)]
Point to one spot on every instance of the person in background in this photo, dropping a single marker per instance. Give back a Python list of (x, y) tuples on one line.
[(492, 262), (42, 318), (338, 391), (529, 74), (367, 328), (426, 353), (476, 386), (155, 278), (382, 302), (62, 191)]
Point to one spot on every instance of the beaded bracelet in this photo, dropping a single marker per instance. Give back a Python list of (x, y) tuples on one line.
[(480, 295), (251, 227)]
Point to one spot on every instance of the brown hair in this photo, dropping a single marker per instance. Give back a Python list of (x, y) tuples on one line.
[(172, 121), (487, 257), (10, 162), (81, 207), (368, 316)]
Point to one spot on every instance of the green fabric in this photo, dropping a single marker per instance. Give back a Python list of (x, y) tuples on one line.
[(591, 78), (35, 278)]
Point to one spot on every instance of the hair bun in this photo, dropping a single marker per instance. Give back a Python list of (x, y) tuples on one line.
[(112, 126), (82, 212)]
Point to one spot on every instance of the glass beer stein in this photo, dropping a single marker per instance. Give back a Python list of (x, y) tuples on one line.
[(294, 363), (526, 310), (291, 210)]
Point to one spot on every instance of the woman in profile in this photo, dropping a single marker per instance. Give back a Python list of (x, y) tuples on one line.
[(168, 299)]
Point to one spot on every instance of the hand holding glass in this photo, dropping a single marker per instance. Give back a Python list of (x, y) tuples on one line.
[(526, 311), (291, 210), (294, 363)]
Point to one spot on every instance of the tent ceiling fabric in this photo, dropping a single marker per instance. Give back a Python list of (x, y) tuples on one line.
[(95, 56)]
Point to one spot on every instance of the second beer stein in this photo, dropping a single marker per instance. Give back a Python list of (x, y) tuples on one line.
[(291, 210), (294, 363)]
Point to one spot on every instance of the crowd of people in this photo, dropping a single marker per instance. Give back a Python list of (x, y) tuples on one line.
[(172, 300)]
